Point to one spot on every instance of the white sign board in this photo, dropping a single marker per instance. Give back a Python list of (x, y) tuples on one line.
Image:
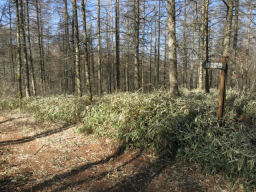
[(216, 65)]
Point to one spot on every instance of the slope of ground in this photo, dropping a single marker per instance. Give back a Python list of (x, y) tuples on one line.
[(54, 157)]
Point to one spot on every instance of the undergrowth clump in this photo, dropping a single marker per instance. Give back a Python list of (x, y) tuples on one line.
[(62, 108), (186, 126), (9, 103)]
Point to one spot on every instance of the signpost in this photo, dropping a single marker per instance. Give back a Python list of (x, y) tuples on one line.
[(223, 66)]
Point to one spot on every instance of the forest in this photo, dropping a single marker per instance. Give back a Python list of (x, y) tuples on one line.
[(128, 95)]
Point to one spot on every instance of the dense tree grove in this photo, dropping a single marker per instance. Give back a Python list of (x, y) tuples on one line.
[(95, 47)]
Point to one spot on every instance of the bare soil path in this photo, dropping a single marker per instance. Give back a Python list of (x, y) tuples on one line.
[(41, 156)]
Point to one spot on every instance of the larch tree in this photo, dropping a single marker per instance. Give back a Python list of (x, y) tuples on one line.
[(24, 48), (11, 51), (19, 60), (228, 28), (235, 43), (172, 45), (99, 48), (40, 44), (87, 61), (143, 48), (117, 46), (33, 79), (158, 44), (206, 44), (77, 53), (202, 44), (67, 46), (184, 47), (246, 64), (136, 44)]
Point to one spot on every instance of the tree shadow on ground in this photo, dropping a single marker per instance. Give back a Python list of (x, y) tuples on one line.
[(142, 179), (75, 171), (97, 177), (11, 119), (15, 183), (31, 138)]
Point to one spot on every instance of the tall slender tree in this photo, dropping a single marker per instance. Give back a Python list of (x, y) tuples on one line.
[(143, 48), (99, 48), (136, 44), (24, 48), (228, 28), (33, 79), (184, 48), (19, 60), (206, 45), (87, 62), (67, 46), (77, 53), (40, 43), (246, 64), (117, 46), (10, 51), (235, 43), (202, 45), (172, 45), (158, 44)]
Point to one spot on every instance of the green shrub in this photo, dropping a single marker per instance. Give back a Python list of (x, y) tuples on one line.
[(187, 126), (57, 109), (9, 103)]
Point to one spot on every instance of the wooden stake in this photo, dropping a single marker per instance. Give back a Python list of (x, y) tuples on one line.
[(222, 96)]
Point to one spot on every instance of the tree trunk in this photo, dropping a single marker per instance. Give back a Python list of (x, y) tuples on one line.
[(30, 52), (165, 59), (40, 45), (228, 28), (246, 64), (172, 54), (143, 49), (128, 61), (87, 62), (113, 67), (72, 71), (235, 42), (136, 44), (202, 45), (117, 46), (155, 55), (158, 44), (19, 61), (184, 48), (150, 56), (206, 47), (99, 51), (11, 57), (77, 54), (24, 49), (109, 66), (67, 47)]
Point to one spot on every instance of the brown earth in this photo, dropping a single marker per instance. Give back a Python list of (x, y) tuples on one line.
[(41, 156)]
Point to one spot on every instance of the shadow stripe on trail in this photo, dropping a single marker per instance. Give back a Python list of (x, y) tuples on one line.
[(31, 138), (11, 119), (142, 179), (97, 177), (57, 178)]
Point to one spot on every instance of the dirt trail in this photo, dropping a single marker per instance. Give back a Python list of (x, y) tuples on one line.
[(55, 157)]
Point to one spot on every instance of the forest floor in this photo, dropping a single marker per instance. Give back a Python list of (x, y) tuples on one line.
[(41, 156)]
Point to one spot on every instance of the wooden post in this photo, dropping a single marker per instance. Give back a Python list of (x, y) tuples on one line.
[(222, 96)]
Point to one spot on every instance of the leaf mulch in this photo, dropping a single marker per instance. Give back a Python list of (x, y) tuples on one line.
[(41, 156)]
